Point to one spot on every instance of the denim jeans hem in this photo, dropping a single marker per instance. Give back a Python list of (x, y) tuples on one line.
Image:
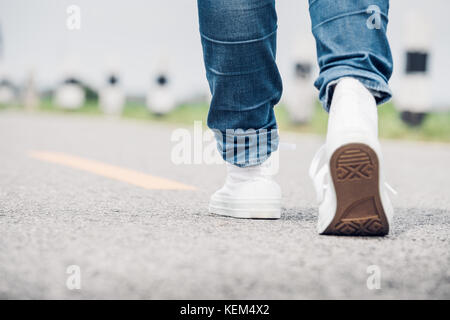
[(254, 158), (252, 162), (373, 82)]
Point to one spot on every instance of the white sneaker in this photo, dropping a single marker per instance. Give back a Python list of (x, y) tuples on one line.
[(350, 186), (248, 193)]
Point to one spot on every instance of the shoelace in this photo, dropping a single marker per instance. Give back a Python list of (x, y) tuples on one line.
[(318, 176)]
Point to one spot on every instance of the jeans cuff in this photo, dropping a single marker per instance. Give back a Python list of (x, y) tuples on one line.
[(246, 148), (377, 85)]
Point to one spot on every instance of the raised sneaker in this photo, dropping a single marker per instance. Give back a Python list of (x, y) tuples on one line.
[(347, 172), (248, 192)]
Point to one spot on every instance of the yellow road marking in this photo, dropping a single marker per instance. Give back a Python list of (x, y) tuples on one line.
[(110, 171)]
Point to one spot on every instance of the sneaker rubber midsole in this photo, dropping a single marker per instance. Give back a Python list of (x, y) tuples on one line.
[(245, 208)]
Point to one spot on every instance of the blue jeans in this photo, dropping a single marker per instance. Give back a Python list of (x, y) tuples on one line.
[(239, 49)]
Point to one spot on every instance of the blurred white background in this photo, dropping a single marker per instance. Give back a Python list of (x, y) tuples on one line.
[(134, 35)]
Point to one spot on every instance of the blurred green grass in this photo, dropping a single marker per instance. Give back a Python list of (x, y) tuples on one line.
[(436, 126)]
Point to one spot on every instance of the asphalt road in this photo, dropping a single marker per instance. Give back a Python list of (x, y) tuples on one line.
[(135, 242)]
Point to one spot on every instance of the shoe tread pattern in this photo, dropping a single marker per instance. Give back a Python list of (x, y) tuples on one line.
[(359, 211)]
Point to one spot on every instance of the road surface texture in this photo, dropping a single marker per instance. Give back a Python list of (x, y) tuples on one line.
[(131, 241)]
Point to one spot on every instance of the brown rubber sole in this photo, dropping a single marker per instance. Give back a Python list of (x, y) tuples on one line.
[(359, 212)]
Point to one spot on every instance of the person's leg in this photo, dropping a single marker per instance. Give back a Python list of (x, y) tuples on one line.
[(239, 46), (355, 66), (351, 41), (239, 43)]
